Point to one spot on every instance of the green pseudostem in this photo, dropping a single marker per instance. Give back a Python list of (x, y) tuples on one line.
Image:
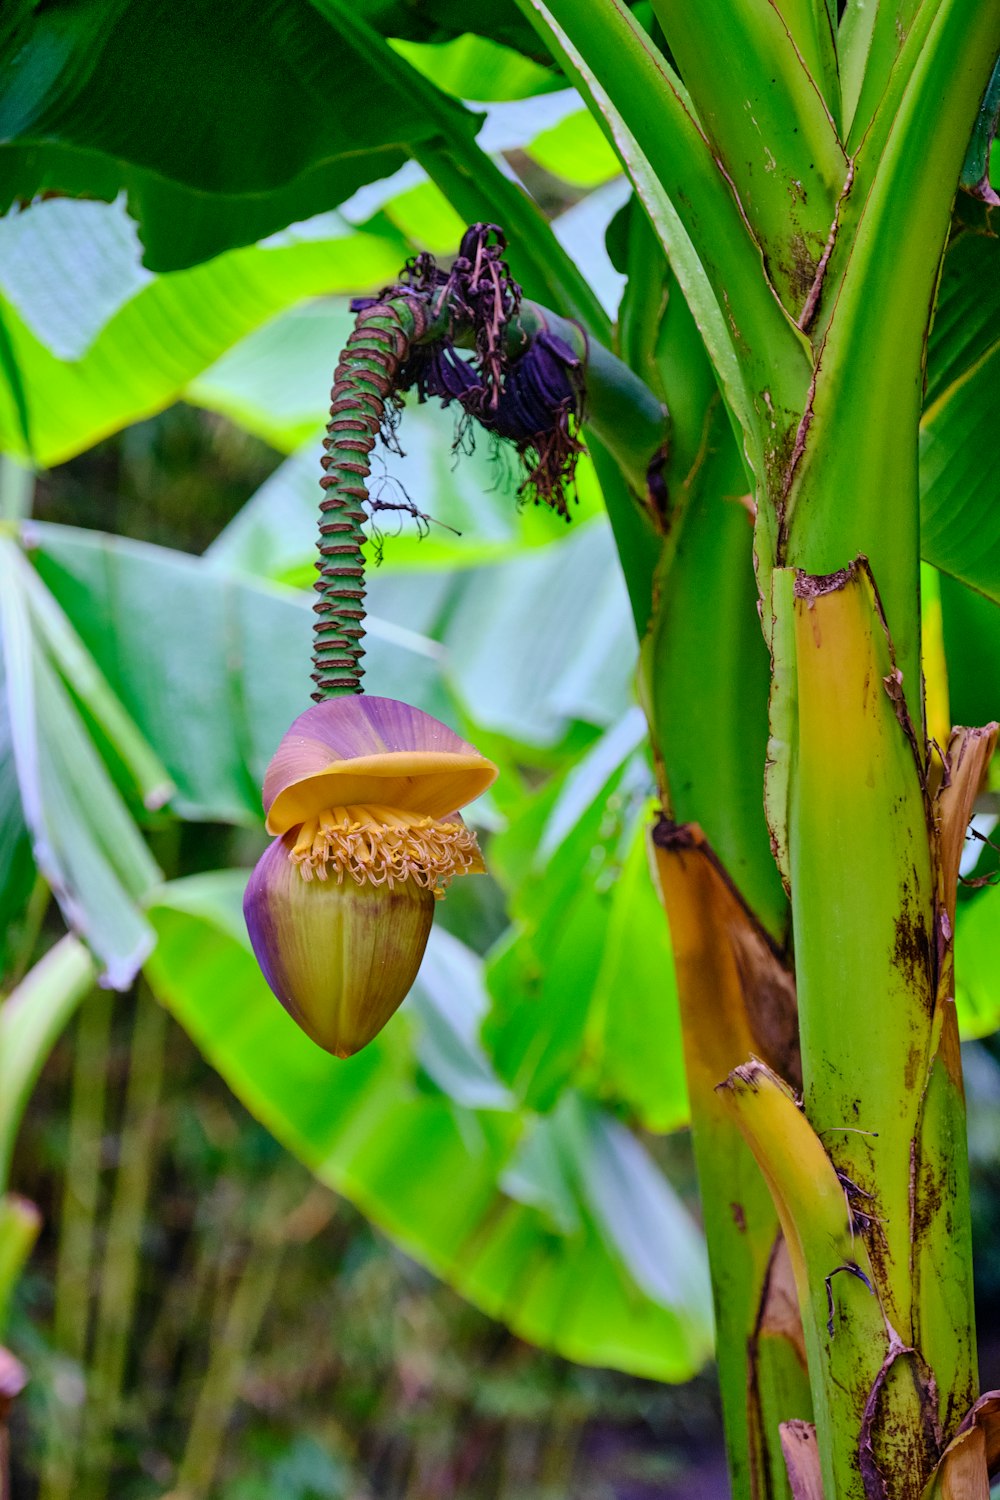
[(363, 382)]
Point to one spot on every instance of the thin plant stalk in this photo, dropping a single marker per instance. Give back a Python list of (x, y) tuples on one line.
[(234, 1334), (78, 1227), (31, 927), (123, 1245)]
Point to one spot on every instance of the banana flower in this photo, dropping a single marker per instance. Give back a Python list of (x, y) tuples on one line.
[(363, 798)]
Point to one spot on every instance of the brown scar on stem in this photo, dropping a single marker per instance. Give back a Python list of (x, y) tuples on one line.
[(801, 273), (854, 1270), (811, 586), (871, 1475), (913, 955), (865, 1222), (893, 684), (811, 305), (801, 1454), (861, 1218), (798, 449)]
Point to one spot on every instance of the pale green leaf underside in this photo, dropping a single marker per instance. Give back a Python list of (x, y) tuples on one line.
[(60, 278), (84, 840), (211, 667)]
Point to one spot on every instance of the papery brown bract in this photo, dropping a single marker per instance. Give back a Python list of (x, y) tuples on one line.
[(341, 958)]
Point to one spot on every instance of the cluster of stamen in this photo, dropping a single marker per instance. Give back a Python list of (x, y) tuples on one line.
[(382, 846)]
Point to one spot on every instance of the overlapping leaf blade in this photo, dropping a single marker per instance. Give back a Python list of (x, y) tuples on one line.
[(960, 489), (545, 638), (583, 986)]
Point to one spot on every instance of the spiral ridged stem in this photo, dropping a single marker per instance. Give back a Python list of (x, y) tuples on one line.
[(362, 384)]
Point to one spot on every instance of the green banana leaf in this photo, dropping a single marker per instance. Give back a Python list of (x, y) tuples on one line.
[(83, 836), (212, 667), (91, 340), (470, 66), (971, 629), (563, 1227), (582, 985), (99, 342), (960, 487), (222, 124)]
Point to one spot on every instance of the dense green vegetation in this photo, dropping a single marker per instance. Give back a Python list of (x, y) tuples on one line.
[(747, 215)]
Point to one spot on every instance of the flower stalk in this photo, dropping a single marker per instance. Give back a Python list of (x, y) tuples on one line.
[(363, 794), (364, 381), (362, 799)]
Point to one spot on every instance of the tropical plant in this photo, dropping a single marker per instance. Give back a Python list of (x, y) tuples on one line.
[(786, 424)]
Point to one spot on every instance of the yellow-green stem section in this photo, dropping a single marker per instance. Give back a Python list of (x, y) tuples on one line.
[(728, 977), (885, 1104)]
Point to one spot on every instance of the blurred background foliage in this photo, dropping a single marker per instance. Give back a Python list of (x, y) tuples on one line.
[(197, 1318), (232, 1294)]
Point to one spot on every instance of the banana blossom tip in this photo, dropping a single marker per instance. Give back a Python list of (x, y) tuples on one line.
[(362, 797)]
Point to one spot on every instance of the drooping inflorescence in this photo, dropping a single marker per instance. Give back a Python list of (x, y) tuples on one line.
[(363, 795)]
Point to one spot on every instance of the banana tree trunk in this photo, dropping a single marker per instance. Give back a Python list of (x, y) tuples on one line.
[(841, 152)]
